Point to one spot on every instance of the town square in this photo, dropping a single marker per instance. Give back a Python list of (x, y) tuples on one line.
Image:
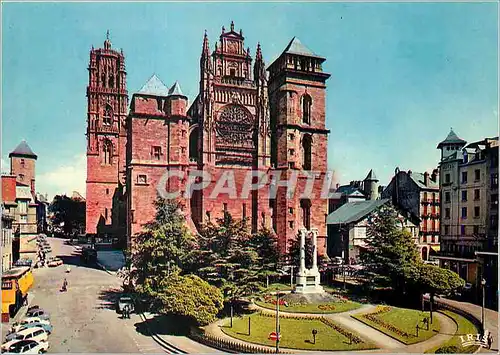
[(249, 177)]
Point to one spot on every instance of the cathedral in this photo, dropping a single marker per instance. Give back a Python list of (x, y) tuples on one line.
[(245, 118)]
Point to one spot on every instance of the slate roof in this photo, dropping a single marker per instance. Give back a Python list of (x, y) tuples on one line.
[(418, 178), (451, 139), (154, 86), (23, 150), (348, 190), (175, 90), (371, 176), (354, 211), (296, 47)]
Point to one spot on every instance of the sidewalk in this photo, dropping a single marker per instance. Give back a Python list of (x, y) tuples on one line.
[(19, 315)]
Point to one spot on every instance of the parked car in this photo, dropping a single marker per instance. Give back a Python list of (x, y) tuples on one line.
[(124, 301), (47, 327), (28, 347), (16, 326), (36, 333), (24, 262), (31, 308), (40, 313), (54, 261)]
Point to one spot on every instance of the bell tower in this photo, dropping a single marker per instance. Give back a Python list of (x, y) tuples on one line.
[(107, 102), (297, 91)]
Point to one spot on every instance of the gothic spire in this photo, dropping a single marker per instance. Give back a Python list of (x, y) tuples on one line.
[(205, 44), (107, 42), (258, 55), (232, 26)]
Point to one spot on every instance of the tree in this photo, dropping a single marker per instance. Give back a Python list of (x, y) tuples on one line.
[(68, 212), (163, 248), (392, 252), (265, 243), (227, 258), (189, 296), (293, 254)]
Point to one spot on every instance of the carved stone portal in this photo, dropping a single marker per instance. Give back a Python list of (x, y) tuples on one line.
[(308, 280)]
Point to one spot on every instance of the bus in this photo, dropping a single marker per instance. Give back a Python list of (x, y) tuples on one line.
[(15, 285)]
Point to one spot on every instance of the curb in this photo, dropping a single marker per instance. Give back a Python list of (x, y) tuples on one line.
[(104, 268), (169, 348)]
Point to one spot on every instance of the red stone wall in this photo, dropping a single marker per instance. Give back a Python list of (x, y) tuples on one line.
[(8, 188), (28, 170)]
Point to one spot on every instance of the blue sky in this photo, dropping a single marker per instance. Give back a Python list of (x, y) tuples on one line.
[(402, 74)]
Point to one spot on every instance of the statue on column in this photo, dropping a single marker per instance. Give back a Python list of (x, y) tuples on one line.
[(308, 280)]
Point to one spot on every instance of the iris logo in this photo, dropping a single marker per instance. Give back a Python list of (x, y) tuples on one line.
[(477, 339)]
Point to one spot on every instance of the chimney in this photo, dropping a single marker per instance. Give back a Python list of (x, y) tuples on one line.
[(409, 172), (434, 175), (337, 186), (426, 178)]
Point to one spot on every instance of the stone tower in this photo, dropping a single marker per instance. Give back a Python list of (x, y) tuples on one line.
[(297, 91), (22, 165), (231, 127), (370, 185), (107, 101)]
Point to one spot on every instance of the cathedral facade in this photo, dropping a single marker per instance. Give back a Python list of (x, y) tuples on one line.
[(245, 119)]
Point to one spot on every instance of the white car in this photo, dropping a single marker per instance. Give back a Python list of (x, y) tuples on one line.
[(28, 347), (17, 326), (38, 334)]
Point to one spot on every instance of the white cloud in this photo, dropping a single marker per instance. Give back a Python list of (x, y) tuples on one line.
[(64, 179)]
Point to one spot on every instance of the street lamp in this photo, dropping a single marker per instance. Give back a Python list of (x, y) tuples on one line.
[(483, 284), (277, 322)]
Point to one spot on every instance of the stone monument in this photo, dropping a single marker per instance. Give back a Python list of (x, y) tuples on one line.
[(307, 280)]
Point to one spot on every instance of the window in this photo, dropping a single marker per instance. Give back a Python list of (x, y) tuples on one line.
[(291, 165), (464, 195), (23, 218), (291, 152), (447, 196), (106, 213), (446, 230), (291, 136), (462, 230), (22, 163), (232, 72), (23, 207), (476, 229), (107, 191), (447, 178), (466, 158), (103, 80), (464, 177), (494, 180), (307, 150), (477, 195), (21, 177), (290, 210), (142, 179), (477, 175), (290, 223), (244, 210), (306, 109), (107, 149), (476, 211), (157, 152), (111, 81), (107, 118), (447, 213), (306, 213), (464, 212)]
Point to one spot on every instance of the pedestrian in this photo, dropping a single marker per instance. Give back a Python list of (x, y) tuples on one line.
[(490, 340), (125, 312)]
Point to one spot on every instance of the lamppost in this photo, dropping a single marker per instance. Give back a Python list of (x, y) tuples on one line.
[(277, 322), (483, 284)]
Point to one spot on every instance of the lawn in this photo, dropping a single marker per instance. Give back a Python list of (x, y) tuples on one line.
[(321, 308), (465, 327), (405, 320), (295, 334), (278, 287)]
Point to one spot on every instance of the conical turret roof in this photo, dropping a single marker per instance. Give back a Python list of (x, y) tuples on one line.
[(371, 176), (451, 139), (175, 90), (23, 150)]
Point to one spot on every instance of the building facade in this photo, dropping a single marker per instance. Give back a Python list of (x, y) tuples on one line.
[(468, 215), (419, 194), (242, 120)]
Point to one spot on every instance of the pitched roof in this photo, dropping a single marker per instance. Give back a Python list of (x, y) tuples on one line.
[(175, 90), (23, 150), (371, 176), (296, 47), (451, 139), (418, 178), (154, 86), (349, 190), (354, 211)]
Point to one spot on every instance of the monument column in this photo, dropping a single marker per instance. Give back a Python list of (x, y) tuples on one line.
[(314, 232), (302, 251)]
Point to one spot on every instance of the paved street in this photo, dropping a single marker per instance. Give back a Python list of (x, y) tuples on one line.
[(84, 318)]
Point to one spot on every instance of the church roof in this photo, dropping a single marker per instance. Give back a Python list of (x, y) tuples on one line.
[(154, 86), (175, 90), (371, 176), (296, 47), (451, 139), (23, 150)]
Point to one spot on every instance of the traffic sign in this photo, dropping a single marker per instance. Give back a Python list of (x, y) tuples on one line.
[(274, 336)]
